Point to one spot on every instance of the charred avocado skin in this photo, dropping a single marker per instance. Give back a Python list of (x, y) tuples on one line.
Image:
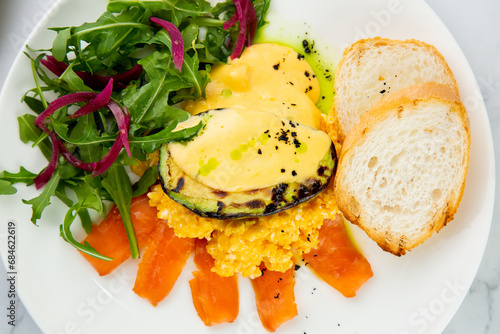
[(212, 203)]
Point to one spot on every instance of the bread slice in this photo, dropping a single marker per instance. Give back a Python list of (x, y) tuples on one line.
[(402, 168), (373, 68)]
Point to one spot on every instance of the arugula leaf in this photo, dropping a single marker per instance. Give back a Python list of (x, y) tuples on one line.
[(153, 142), (149, 105), (23, 176), (110, 27), (147, 179), (6, 188), (65, 233), (88, 194), (34, 104), (117, 183), (88, 135), (175, 11), (39, 203), (84, 127), (61, 43), (83, 212), (192, 74), (28, 132), (85, 220), (117, 6), (73, 81), (62, 195), (261, 7), (68, 172)]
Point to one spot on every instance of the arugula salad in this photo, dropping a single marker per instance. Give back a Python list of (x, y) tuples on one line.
[(107, 93)]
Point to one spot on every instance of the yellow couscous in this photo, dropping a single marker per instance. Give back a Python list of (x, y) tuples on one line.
[(241, 245)]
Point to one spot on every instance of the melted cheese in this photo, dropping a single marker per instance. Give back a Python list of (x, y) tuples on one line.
[(241, 150), (273, 77)]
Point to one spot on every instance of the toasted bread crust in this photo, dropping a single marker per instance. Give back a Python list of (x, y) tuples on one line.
[(359, 48), (407, 97)]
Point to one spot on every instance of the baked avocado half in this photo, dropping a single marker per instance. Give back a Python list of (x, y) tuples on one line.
[(246, 164)]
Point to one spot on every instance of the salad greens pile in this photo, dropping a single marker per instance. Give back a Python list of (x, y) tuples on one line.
[(126, 46)]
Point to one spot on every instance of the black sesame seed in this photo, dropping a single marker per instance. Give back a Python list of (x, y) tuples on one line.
[(259, 151), (276, 66), (294, 173), (283, 170)]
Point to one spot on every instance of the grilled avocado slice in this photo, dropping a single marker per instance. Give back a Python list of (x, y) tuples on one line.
[(246, 164)]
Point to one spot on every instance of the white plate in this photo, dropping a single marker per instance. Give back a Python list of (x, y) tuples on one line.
[(416, 293)]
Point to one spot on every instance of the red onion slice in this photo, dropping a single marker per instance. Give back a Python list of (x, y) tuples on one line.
[(230, 22), (240, 42), (97, 103), (176, 38), (133, 74), (62, 102), (95, 81), (54, 66), (251, 22), (123, 120), (44, 177), (247, 18)]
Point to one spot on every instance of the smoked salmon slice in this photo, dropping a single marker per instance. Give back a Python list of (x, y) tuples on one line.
[(275, 297), (215, 298), (164, 257), (109, 237), (337, 261)]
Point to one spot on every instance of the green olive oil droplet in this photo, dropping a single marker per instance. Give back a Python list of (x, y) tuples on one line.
[(263, 138), (302, 148), (236, 154), (211, 165), (243, 148), (226, 93)]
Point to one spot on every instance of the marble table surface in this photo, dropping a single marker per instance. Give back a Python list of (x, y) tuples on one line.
[(476, 27)]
